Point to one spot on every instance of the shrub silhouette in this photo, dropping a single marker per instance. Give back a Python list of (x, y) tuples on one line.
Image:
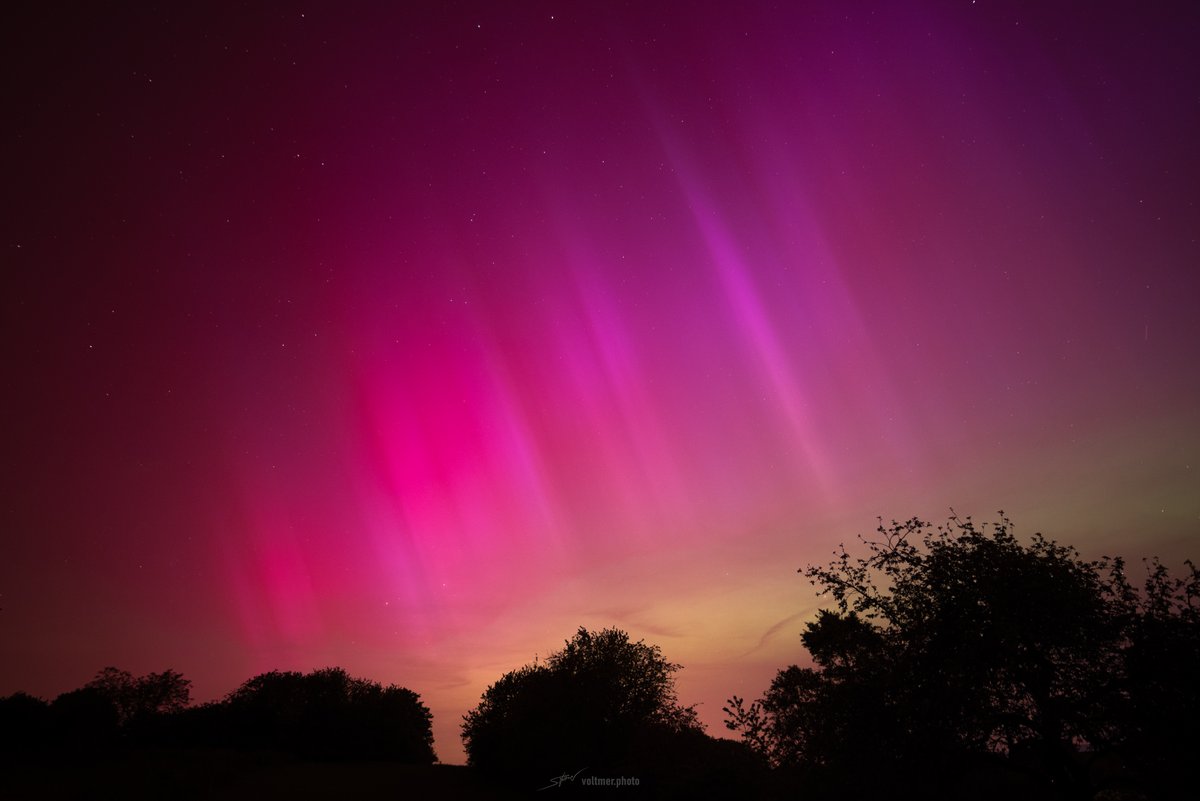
[(959, 657)]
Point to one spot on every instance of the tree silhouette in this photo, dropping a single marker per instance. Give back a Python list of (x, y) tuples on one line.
[(25, 725), (85, 721), (1159, 728), (956, 644), (583, 707), (144, 697)]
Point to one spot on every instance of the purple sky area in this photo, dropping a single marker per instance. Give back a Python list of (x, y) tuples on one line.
[(409, 337)]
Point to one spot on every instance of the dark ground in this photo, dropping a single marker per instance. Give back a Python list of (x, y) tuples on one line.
[(233, 776)]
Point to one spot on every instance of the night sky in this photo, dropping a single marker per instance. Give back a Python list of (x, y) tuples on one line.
[(410, 337)]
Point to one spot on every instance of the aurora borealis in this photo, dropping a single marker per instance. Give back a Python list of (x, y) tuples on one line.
[(410, 337)]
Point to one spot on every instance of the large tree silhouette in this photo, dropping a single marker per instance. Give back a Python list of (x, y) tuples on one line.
[(586, 706), (960, 649)]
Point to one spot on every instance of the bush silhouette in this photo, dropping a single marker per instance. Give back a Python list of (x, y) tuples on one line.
[(326, 714)]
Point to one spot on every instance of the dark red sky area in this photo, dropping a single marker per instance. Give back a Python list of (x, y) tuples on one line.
[(409, 337)]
